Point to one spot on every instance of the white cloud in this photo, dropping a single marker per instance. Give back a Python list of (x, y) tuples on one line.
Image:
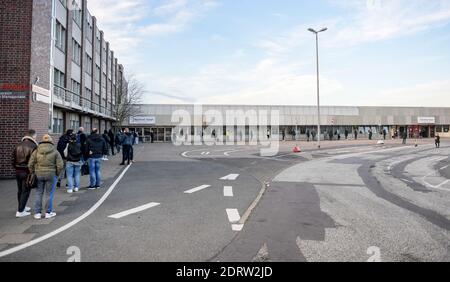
[(129, 23), (386, 19), (431, 94)]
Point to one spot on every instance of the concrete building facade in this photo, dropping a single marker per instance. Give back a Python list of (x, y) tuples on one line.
[(294, 121), (57, 71)]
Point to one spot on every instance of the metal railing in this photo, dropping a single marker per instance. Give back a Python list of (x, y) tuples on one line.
[(70, 99)]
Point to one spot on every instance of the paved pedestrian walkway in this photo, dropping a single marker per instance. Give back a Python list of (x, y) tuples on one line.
[(13, 230)]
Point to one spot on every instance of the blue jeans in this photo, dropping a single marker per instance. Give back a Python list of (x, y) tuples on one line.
[(95, 167), (73, 171), (43, 186)]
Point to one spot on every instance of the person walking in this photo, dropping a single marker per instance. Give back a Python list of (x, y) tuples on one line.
[(308, 134), (74, 157), (370, 134), (105, 137), (384, 134), (96, 147), (127, 147), (356, 134), (346, 134), (437, 141), (111, 141), (46, 162), (20, 157)]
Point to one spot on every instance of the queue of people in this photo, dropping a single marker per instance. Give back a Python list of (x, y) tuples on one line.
[(43, 165)]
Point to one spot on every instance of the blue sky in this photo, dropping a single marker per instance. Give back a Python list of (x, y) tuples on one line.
[(376, 52)]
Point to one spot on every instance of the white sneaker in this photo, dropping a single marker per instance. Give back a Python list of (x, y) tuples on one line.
[(50, 215), (37, 216), (22, 214), (70, 191), (27, 209), (75, 189)]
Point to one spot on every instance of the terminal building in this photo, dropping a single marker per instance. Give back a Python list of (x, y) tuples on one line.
[(294, 121), (57, 71)]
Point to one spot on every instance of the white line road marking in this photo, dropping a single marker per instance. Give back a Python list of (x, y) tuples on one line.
[(135, 210), (228, 191), (442, 168), (205, 153), (196, 189), (237, 227), (70, 224), (230, 177), (406, 180), (233, 215)]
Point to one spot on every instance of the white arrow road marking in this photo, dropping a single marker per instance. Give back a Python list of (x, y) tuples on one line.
[(196, 189), (230, 177), (135, 210), (228, 191)]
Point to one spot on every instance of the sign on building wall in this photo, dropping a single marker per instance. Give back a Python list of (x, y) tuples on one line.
[(41, 94), (143, 120), (426, 120)]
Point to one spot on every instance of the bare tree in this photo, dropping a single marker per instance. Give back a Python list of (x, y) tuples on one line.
[(131, 92)]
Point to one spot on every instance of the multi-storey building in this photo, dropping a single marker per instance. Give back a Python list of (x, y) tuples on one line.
[(57, 71)]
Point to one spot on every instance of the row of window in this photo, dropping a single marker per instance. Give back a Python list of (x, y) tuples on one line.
[(60, 42), (74, 122)]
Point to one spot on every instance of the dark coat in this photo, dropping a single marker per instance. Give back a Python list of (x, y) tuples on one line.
[(22, 153), (96, 146)]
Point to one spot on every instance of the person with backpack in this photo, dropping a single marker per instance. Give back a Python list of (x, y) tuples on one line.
[(74, 157), (20, 158), (46, 162)]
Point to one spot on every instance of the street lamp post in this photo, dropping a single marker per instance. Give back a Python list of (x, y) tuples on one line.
[(318, 90)]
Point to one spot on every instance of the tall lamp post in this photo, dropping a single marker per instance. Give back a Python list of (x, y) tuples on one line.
[(318, 96)]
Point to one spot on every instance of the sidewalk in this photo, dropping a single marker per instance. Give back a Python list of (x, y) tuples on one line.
[(13, 230)]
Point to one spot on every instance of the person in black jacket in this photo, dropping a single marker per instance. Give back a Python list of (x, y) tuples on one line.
[(82, 140), (20, 157), (107, 141), (111, 141), (61, 146), (96, 147), (74, 162)]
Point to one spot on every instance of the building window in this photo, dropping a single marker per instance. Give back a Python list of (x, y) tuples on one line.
[(59, 80), (76, 52), (76, 89), (77, 14), (60, 33), (88, 64), (97, 73), (57, 125), (74, 120), (446, 128)]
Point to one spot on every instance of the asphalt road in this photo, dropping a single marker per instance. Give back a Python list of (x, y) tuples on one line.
[(229, 203)]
